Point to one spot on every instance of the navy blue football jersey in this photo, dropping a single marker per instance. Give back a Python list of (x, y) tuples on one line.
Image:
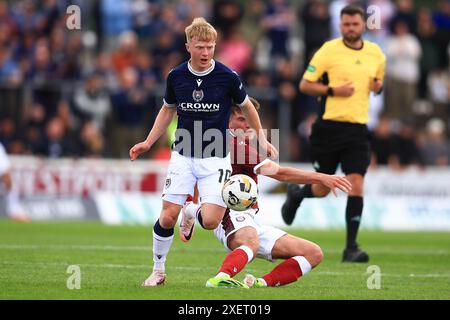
[(203, 101)]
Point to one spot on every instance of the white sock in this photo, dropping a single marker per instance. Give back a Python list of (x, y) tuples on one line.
[(221, 274), (14, 207), (161, 247), (263, 281)]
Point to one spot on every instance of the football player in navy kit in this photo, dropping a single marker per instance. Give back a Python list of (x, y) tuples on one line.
[(201, 92)]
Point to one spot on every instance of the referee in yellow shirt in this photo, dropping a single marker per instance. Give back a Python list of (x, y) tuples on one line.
[(343, 72)]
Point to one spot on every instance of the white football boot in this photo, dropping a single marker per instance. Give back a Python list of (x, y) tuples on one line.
[(155, 279), (187, 224)]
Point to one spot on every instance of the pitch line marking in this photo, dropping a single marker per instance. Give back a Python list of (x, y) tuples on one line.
[(199, 269), (193, 249)]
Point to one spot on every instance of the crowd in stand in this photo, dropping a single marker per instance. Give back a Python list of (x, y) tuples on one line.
[(94, 92)]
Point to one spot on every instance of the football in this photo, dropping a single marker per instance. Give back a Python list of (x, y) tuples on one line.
[(240, 192)]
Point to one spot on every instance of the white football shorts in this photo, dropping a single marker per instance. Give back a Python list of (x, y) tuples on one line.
[(184, 172), (235, 220)]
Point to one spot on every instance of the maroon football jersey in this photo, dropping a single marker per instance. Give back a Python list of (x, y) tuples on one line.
[(244, 157)]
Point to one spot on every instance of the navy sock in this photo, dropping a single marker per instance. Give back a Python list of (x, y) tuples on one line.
[(353, 214), (200, 219), (160, 231)]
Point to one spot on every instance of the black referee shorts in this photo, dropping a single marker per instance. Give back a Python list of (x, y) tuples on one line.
[(334, 142)]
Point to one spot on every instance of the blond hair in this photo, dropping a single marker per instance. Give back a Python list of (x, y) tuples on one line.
[(200, 29)]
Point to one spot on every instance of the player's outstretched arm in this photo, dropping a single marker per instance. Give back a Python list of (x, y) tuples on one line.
[(298, 176), (162, 121), (252, 117)]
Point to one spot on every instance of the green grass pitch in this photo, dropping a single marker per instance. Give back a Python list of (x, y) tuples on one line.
[(114, 260)]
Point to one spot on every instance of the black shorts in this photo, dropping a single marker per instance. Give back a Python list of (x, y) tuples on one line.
[(335, 142)]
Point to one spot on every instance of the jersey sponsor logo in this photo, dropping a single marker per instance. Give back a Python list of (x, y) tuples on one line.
[(311, 68), (200, 107), (199, 82), (240, 218), (197, 95), (168, 182)]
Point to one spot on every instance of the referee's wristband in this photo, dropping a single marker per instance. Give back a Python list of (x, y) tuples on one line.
[(330, 92)]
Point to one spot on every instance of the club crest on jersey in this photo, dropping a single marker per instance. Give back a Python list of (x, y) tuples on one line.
[(197, 95)]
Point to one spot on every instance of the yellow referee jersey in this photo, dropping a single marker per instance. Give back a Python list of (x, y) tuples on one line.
[(342, 64)]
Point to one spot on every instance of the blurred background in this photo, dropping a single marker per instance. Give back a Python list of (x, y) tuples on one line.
[(72, 102)]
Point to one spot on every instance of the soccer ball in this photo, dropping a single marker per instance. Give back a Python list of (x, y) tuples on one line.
[(240, 192)]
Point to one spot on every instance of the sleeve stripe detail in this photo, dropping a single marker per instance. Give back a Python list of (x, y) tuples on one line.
[(170, 105), (243, 102)]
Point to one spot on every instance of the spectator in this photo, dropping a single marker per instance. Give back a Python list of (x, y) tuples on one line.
[(91, 102), (91, 141), (439, 89), (406, 14), (42, 70), (441, 18), (277, 23), (126, 54), (387, 10), (116, 18), (8, 132), (56, 143), (34, 136), (227, 15), (403, 54), (250, 25), (429, 61), (382, 144), (9, 70), (405, 145), (315, 19), (435, 149), (130, 111), (235, 51), (166, 52)]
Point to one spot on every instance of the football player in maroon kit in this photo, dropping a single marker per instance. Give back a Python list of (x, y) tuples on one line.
[(244, 237)]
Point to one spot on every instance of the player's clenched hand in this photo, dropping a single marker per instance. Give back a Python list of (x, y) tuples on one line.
[(334, 182), (138, 149), (346, 90)]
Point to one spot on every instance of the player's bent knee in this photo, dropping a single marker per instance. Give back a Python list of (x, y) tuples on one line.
[(320, 191), (210, 224), (167, 221), (315, 255), (357, 191)]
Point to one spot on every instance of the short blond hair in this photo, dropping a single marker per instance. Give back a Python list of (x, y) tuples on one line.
[(200, 29)]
